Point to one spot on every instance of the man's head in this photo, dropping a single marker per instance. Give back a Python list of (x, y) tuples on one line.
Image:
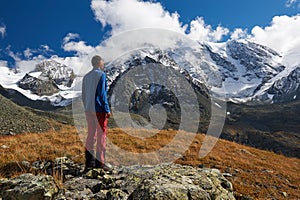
[(97, 62)]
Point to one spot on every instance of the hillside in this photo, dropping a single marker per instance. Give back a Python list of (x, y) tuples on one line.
[(15, 119), (273, 127), (254, 173)]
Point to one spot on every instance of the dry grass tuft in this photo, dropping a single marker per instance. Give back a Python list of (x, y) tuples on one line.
[(37, 147)]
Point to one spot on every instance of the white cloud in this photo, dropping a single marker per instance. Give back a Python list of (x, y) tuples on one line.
[(43, 50), (138, 20), (70, 36), (239, 34), (283, 34), (290, 3), (29, 65), (201, 32), (3, 30), (127, 15), (79, 47), (3, 63), (25, 65), (13, 55), (46, 48), (28, 53)]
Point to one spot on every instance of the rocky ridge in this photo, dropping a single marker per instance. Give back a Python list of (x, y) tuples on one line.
[(164, 181), (46, 78)]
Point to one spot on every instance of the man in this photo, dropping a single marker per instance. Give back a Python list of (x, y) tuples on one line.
[(97, 112)]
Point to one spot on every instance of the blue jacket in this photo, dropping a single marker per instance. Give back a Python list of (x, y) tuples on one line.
[(94, 92)]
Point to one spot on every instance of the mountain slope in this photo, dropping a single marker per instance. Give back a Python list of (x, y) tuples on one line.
[(15, 119), (273, 127), (22, 100)]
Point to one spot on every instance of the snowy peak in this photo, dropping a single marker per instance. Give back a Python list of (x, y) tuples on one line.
[(59, 73), (47, 78), (256, 58), (246, 71), (37, 85)]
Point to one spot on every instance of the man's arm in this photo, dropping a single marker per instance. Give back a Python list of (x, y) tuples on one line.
[(83, 91), (101, 89)]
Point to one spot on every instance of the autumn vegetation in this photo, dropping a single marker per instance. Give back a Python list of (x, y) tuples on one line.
[(255, 173)]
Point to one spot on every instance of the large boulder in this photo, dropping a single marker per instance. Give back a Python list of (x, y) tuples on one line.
[(28, 187), (170, 181)]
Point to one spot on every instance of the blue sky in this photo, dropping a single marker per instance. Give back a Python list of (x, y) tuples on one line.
[(33, 27)]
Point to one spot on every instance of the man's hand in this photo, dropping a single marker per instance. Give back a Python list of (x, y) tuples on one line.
[(108, 115)]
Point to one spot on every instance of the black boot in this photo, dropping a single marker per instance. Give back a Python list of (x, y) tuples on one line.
[(89, 160), (101, 165), (98, 164)]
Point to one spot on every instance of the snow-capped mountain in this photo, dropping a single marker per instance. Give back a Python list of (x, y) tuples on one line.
[(47, 77), (38, 85), (59, 73), (49, 81), (241, 71)]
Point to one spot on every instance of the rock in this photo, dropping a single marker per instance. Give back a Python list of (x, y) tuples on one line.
[(227, 175), (116, 194), (284, 194), (63, 165), (28, 187), (244, 151), (80, 184), (170, 181), (26, 164), (164, 181)]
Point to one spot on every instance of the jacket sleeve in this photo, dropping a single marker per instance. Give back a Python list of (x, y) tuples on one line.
[(102, 92), (83, 92)]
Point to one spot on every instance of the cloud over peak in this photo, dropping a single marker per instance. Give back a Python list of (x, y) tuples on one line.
[(127, 15), (282, 35)]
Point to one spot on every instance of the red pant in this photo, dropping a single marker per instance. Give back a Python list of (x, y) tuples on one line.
[(97, 126)]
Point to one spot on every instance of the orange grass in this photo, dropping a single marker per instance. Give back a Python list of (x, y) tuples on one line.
[(38, 147), (256, 173)]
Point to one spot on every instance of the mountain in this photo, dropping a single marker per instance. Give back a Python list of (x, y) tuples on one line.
[(243, 70), (46, 78), (49, 83), (59, 73), (38, 85)]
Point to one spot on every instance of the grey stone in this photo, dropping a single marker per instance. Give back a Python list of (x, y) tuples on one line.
[(28, 187)]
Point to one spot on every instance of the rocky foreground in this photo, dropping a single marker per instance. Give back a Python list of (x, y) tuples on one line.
[(65, 180)]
